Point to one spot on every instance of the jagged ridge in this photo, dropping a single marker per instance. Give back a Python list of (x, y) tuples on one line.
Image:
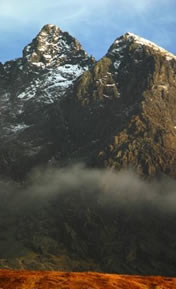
[(129, 89), (117, 112), (30, 87)]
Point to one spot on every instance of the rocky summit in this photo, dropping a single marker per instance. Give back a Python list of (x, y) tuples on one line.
[(59, 103), (31, 89), (129, 101), (60, 107)]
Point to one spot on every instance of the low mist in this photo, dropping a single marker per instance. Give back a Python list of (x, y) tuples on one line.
[(88, 219), (109, 187)]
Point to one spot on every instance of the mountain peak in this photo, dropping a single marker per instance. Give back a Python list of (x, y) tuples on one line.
[(126, 40), (50, 26), (49, 30), (52, 47)]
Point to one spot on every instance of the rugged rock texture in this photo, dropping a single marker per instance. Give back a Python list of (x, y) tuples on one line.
[(59, 106), (119, 113), (31, 87), (128, 99), (52, 280)]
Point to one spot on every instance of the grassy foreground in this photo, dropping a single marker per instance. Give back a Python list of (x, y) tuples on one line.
[(61, 280)]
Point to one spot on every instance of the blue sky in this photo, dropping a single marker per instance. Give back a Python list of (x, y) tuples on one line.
[(95, 23)]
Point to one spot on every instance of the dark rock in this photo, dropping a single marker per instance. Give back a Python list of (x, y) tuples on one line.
[(59, 106)]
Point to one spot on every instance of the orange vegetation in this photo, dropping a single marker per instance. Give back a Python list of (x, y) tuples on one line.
[(58, 280)]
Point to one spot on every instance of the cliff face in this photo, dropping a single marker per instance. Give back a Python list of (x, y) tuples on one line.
[(119, 113), (130, 96), (31, 88), (59, 107)]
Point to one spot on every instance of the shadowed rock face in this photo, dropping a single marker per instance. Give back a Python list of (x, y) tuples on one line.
[(130, 95), (119, 113), (59, 106), (32, 125)]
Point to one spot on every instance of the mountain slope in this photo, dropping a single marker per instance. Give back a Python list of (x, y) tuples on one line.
[(119, 113), (32, 125), (129, 101), (59, 107)]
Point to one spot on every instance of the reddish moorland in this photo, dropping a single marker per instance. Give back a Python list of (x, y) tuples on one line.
[(60, 280)]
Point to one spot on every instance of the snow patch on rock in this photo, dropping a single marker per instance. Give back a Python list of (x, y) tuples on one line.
[(18, 127), (53, 83), (121, 43)]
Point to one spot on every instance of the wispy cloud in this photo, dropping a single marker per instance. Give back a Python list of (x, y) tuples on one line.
[(110, 187)]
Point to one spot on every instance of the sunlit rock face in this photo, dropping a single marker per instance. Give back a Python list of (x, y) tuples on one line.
[(57, 102), (60, 107), (52, 47), (130, 95)]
